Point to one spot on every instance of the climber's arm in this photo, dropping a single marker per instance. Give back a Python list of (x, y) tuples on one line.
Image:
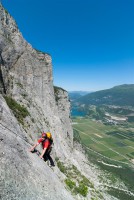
[(43, 152), (33, 147)]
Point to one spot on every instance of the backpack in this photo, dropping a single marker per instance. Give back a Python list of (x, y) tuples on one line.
[(49, 136)]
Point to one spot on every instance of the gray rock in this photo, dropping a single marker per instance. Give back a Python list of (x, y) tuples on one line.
[(23, 174), (26, 76)]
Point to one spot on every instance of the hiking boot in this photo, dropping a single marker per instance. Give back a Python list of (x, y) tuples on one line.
[(52, 165)]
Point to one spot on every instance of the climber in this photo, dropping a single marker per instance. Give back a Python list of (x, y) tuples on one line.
[(46, 140)]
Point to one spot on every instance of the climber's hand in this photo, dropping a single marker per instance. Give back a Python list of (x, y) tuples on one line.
[(41, 156), (31, 149)]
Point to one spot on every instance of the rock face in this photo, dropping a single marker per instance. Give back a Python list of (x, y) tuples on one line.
[(26, 77), (24, 175)]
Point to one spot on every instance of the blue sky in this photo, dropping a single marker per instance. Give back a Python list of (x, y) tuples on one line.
[(91, 41)]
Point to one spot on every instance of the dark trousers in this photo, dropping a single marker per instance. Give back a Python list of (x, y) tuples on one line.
[(48, 157)]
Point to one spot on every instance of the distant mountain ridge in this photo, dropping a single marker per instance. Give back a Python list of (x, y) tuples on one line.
[(79, 92), (122, 95), (73, 95)]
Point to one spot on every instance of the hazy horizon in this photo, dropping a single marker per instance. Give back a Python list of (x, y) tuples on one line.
[(78, 91)]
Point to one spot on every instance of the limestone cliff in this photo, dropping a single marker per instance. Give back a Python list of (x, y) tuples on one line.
[(26, 78)]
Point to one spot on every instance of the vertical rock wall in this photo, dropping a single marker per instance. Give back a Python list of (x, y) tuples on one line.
[(26, 76)]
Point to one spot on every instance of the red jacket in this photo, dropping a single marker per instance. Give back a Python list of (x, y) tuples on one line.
[(45, 143)]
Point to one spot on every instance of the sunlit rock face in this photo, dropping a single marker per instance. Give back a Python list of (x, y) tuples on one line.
[(26, 77), (23, 174)]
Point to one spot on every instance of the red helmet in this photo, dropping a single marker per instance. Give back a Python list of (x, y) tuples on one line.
[(44, 135)]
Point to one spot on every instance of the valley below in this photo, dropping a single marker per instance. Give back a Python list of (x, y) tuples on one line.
[(110, 147)]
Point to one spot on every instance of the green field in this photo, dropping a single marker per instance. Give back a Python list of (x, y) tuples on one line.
[(113, 142), (111, 148)]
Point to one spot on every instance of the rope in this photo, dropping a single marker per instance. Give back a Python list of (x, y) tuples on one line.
[(15, 134)]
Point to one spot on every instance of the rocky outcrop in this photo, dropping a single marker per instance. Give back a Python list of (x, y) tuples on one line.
[(61, 97), (26, 78), (24, 175)]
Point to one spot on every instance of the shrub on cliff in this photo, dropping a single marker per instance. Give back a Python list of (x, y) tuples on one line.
[(19, 111)]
